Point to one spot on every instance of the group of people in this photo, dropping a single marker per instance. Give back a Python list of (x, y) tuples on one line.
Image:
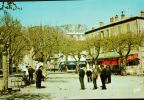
[(28, 76), (92, 75), (104, 72)]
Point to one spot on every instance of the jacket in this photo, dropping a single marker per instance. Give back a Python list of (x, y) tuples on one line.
[(81, 73), (94, 73)]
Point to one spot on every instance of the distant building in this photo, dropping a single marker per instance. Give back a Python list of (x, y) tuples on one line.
[(75, 30), (116, 26), (76, 35)]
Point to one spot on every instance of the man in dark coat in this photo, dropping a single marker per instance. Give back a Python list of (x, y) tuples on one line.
[(108, 79), (31, 71), (39, 77), (81, 78), (103, 76), (89, 75)]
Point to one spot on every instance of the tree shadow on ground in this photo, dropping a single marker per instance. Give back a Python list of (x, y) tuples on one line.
[(28, 96)]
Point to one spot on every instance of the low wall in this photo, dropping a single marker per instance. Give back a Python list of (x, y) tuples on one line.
[(132, 70)]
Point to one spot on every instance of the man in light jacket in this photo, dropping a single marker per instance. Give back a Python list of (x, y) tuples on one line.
[(94, 76)]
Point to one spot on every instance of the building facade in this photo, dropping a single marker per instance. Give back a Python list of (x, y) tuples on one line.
[(124, 25), (131, 24)]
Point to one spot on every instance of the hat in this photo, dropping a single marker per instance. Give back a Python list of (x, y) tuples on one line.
[(40, 66)]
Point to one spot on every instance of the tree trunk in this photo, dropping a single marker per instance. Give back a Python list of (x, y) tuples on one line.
[(16, 64), (122, 64), (9, 55), (96, 59), (123, 67), (118, 71), (95, 62), (78, 62), (31, 58), (5, 72), (10, 65), (66, 63), (98, 52), (16, 68), (123, 72), (44, 66)]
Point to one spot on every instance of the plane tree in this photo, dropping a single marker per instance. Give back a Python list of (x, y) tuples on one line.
[(122, 44)]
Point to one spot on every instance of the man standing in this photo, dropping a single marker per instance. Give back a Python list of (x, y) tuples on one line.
[(25, 76), (26, 71), (103, 77), (89, 73), (31, 71), (39, 77), (81, 78), (25, 79), (108, 79), (95, 76)]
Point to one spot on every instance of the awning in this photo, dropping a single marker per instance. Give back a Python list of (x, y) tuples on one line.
[(110, 62), (115, 61), (113, 55), (130, 58), (106, 62), (71, 63)]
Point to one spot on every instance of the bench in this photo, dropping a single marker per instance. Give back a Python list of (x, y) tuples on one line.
[(17, 81)]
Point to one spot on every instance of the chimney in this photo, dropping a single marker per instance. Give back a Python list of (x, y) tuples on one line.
[(111, 20), (101, 24), (93, 28), (142, 13), (122, 16), (116, 18)]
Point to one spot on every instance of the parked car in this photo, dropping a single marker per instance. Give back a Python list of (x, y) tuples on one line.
[(71, 65), (62, 66)]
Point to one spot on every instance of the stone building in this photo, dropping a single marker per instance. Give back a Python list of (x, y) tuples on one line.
[(131, 24), (124, 25)]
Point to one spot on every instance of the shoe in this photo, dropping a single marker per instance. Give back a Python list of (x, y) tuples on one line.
[(104, 88), (83, 89)]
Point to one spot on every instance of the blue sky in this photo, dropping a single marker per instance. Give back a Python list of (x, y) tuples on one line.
[(89, 12)]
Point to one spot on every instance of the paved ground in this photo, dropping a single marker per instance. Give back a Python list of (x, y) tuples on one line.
[(67, 86)]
